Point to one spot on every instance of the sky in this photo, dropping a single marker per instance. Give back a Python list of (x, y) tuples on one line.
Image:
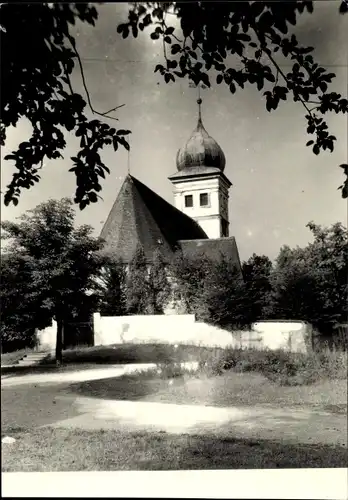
[(279, 185)]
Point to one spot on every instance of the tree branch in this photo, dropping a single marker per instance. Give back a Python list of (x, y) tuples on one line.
[(276, 65), (72, 41)]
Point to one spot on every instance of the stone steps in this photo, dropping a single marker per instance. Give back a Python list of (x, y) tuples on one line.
[(32, 359)]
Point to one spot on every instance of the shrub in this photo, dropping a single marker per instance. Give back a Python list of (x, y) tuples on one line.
[(282, 367)]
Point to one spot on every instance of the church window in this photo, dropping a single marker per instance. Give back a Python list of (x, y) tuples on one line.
[(189, 200), (204, 199)]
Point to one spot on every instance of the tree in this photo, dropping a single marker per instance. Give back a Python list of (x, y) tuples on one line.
[(310, 283), (159, 286), (212, 290), (294, 286), (36, 81), (112, 298), (36, 84), (189, 275), (63, 260), (256, 273), (20, 312), (224, 300), (328, 254), (137, 285)]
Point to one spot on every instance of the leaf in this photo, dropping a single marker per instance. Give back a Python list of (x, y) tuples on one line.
[(175, 48), (123, 132), (154, 36), (269, 104), (120, 28), (205, 79), (83, 204), (269, 76), (343, 7), (93, 197), (316, 149), (134, 31), (124, 143), (232, 87), (219, 78), (309, 143), (345, 168)]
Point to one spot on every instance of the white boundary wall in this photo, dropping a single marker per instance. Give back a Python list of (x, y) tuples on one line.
[(138, 329), (183, 329)]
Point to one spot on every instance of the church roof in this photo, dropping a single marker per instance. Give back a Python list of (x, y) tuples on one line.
[(201, 150), (139, 215), (213, 249)]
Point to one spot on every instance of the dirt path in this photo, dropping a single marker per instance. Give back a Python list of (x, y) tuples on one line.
[(46, 399), (292, 425)]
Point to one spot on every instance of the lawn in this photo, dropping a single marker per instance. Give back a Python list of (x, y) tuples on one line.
[(135, 353), (25, 408), (48, 449), (51, 368), (9, 358), (224, 390)]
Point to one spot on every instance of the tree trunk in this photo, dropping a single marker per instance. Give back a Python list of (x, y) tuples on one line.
[(59, 342)]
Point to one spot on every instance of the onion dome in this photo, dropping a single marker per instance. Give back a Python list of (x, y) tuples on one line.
[(201, 150)]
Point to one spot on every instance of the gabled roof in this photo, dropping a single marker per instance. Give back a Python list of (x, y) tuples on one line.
[(139, 215), (213, 249)]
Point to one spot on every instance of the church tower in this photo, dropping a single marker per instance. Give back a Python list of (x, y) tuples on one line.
[(200, 185)]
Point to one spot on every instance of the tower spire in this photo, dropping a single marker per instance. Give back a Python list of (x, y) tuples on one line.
[(199, 102), (128, 160)]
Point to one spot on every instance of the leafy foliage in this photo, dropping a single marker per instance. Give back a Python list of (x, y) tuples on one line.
[(307, 284), (189, 276), (159, 286), (255, 33), (113, 300), (62, 260), (256, 273), (310, 283), (36, 75), (137, 285), (224, 298), (213, 290), (21, 313), (36, 84), (284, 368)]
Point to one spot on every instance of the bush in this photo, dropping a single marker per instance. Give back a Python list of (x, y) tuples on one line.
[(282, 367)]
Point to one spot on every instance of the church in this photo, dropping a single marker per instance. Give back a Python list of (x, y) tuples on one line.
[(198, 221)]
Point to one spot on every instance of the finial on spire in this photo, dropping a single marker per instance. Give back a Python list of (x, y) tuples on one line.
[(199, 102), (128, 162)]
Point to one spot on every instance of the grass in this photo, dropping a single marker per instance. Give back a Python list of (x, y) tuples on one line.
[(228, 389), (50, 368), (284, 368), (49, 449), (9, 358), (134, 353)]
